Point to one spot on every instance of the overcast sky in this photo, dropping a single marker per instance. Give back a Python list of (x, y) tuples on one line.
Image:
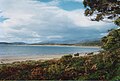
[(47, 20)]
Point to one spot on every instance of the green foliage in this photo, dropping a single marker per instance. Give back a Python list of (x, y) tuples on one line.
[(117, 78), (103, 66), (90, 43), (66, 58), (117, 21), (109, 9), (112, 40)]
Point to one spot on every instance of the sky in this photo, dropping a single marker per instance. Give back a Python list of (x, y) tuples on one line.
[(34, 21)]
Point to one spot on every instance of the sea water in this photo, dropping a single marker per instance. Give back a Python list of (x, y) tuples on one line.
[(27, 50)]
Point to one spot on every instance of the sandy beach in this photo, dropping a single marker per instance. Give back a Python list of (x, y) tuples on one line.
[(11, 59), (65, 46)]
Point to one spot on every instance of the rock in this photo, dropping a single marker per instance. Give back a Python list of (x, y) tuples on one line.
[(77, 54)]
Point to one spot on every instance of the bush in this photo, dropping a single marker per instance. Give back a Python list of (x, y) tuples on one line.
[(112, 40)]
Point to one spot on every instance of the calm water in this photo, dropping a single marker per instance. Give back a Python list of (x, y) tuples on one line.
[(14, 50)]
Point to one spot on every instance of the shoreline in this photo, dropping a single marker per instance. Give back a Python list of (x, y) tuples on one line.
[(64, 45), (43, 57), (11, 59)]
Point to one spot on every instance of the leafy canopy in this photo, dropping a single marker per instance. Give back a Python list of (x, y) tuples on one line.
[(103, 10)]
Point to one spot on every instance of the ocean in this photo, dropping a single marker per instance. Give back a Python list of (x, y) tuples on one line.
[(28, 50)]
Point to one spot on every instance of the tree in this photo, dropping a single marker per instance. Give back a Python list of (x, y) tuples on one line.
[(103, 10), (112, 40)]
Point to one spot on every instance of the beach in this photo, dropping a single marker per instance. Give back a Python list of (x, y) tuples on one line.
[(13, 53), (11, 59)]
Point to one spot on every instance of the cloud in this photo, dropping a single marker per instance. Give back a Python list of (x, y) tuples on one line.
[(55, 37), (78, 18), (33, 21)]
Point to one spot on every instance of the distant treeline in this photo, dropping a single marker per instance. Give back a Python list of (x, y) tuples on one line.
[(12, 43), (90, 43)]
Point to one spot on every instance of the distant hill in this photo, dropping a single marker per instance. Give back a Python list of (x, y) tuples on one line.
[(90, 43), (13, 43), (85, 43), (4, 43)]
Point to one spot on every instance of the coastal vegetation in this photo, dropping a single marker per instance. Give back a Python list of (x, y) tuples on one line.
[(90, 43), (102, 66), (112, 41)]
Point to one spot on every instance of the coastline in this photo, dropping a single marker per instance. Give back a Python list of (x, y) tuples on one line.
[(64, 46), (10, 59)]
